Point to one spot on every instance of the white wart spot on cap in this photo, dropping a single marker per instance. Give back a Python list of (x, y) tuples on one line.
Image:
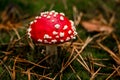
[(55, 33), (39, 40), (68, 38), (72, 23), (62, 34), (41, 14), (61, 18), (62, 14), (36, 17), (61, 40), (69, 32), (45, 41), (53, 11), (57, 36), (55, 14), (73, 27), (50, 13), (44, 15), (29, 29), (46, 12), (74, 37), (53, 20), (39, 17), (48, 17), (57, 26), (35, 21), (54, 40), (75, 33), (46, 36), (31, 22), (29, 35), (65, 27)]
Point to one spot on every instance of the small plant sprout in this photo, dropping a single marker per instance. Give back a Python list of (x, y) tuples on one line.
[(51, 28)]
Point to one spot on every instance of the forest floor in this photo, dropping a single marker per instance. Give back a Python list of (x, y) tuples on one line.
[(93, 55)]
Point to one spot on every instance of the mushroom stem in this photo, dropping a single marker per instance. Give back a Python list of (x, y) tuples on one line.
[(52, 51)]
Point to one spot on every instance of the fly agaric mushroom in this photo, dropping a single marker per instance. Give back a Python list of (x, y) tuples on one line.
[(51, 28)]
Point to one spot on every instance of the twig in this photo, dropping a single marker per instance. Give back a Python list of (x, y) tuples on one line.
[(93, 75), (118, 43), (77, 16), (112, 73), (26, 61), (16, 32), (112, 54), (83, 47), (6, 68), (13, 71), (117, 70), (75, 72), (83, 64), (45, 77)]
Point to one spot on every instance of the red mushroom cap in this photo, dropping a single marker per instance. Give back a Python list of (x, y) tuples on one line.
[(52, 27)]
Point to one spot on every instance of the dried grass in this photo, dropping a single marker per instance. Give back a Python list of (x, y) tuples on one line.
[(13, 56)]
